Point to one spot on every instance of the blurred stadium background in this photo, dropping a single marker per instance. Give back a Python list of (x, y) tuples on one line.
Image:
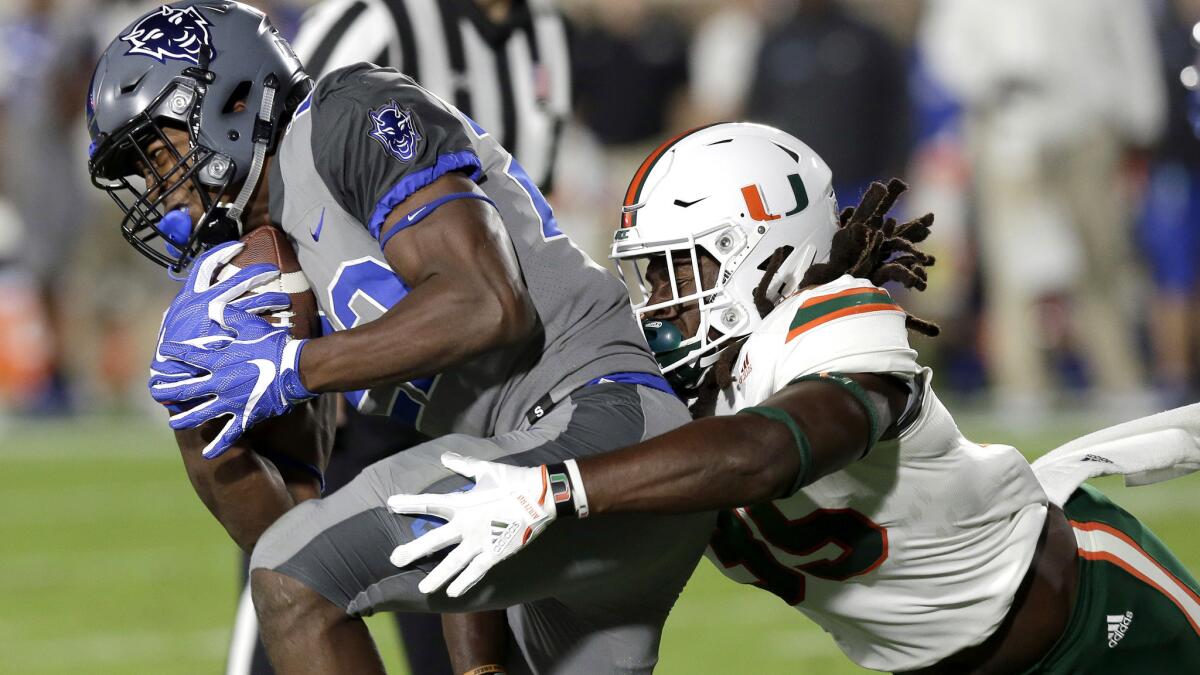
[(1053, 141)]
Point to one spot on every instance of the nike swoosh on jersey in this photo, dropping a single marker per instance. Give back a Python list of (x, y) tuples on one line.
[(316, 234), (266, 374), (413, 216)]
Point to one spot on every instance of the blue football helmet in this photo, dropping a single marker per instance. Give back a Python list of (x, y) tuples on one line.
[(185, 65)]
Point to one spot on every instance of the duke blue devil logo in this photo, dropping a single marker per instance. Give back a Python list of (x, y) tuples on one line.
[(170, 33), (396, 130)]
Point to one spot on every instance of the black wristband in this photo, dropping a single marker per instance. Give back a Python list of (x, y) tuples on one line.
[(562, 490)]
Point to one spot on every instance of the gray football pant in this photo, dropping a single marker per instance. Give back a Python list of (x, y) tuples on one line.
[(588, 596)]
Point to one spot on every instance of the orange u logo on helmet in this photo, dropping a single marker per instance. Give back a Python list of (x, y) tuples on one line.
[(758, 210)]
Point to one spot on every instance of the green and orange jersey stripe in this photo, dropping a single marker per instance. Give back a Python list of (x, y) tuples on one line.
[(634, 192), (825, 308)]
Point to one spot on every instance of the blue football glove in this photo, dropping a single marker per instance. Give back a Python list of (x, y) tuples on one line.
[(217, 358), (248, 378), (197, 309)]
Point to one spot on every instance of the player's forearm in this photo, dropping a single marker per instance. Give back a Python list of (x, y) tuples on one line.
[(713, 463), (299, 444), (736, 460), (245, 490), (442, 322), (242, 490)]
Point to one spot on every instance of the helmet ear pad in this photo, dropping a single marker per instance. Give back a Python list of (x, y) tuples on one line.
[(238, 99)]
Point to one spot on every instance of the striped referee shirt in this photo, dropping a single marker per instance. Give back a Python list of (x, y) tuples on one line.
[(512, 78)]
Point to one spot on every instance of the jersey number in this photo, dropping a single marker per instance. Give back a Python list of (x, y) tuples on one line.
[(361, 291), (863, 546)]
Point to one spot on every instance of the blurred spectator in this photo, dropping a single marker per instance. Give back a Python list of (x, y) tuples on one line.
[(722, 60), (629, 66), (939, 176), (47, 62), (838, 84), (1056, 93), (629, 76), (1170, 232)]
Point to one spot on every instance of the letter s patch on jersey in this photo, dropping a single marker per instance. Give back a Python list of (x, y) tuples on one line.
[(171, 33), (396, 130)]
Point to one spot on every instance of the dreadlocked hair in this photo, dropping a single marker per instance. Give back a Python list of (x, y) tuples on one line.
[(869, 245)]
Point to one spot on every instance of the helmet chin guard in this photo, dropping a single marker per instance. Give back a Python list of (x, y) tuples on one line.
[(735, 193)]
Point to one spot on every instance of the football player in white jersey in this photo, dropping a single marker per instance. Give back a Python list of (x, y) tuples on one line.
[(846, 487)]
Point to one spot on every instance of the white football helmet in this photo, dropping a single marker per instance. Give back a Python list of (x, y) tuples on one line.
[(738, 192)]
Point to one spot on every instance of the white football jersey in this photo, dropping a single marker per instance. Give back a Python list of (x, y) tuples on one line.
[(908, 555)]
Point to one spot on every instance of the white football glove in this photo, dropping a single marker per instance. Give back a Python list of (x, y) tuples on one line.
[(508, 508)]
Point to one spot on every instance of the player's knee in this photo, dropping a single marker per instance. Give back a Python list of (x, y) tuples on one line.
[(284, 538), (284, 603)]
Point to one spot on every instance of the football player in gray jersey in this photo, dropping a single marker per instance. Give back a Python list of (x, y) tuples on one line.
[(451, 299)]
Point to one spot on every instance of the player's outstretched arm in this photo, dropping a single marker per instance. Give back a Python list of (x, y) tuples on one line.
[(811, 428), (466, 297), (747, 458)]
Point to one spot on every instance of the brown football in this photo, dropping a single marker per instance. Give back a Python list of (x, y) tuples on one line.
[(270, 245)]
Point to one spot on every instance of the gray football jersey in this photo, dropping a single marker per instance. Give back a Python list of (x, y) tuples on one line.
[(365, 140)]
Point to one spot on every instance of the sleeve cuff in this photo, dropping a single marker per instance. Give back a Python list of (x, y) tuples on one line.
[(451, 161)]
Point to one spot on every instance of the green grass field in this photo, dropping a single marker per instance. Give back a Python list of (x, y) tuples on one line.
[(110, 564)]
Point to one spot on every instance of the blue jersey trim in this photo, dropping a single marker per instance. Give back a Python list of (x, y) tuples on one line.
[(304, 105), (644, 379), (451, 161), (418, 214)]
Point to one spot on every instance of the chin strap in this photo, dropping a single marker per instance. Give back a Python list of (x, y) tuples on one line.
[(262, 140)]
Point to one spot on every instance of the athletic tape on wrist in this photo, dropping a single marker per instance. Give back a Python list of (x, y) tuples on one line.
[(854, 389), (803, 449)]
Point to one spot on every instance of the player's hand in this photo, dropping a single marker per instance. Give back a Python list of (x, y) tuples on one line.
[(199, 307), (217, 358), (197, 310), (188, 315), (248, 378), (508, 507)]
